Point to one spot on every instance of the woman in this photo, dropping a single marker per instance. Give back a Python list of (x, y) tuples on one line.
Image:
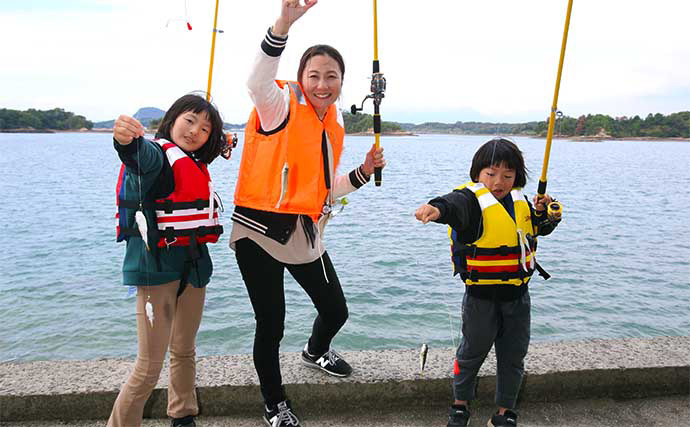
[(284, 194)]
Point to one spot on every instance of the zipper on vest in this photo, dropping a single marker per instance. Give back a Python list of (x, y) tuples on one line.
[(211, 200), (283, 184)]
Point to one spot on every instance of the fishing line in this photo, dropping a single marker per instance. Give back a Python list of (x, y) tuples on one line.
[(185, 20), (445, 303)]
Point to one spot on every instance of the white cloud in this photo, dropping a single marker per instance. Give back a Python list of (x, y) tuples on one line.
[(495, 57)]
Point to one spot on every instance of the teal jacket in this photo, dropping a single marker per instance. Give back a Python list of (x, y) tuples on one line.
[(147, 169)]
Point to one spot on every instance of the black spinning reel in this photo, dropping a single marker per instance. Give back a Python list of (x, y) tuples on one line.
[(378, 87)]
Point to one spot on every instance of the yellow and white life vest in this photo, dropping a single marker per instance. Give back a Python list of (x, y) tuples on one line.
[(505, 252)]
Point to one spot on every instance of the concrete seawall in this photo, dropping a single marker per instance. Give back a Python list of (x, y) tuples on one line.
[(628, 368)]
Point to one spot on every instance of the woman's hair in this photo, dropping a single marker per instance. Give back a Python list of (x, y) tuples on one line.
[(496, 152), (196, 103), (320, 49)]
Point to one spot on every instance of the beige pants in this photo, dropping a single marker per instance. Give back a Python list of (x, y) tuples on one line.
[(175, 324)]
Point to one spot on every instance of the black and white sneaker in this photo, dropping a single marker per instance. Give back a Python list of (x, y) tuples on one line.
[(508, 419), (458, 416), (281, 415), (187, 421), (330, 362)]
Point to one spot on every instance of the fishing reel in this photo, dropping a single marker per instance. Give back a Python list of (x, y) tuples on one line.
[(230, 143), (554, 211), (378, 87)]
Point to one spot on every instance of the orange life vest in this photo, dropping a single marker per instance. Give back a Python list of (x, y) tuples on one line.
[(284, 170)]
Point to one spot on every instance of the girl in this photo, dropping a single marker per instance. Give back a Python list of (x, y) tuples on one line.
[(493, 243), (284, 194), (165, 195)]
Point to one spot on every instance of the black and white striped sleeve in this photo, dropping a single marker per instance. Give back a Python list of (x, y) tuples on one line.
[(272, 44), (345, 184), (358, 178)]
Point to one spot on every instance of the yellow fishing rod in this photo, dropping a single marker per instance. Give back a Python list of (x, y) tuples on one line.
[(213, 51), (378, 87), (554, 209)]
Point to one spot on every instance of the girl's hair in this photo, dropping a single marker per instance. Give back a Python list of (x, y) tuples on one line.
[(320, 49), (196, 103), (496, 152)]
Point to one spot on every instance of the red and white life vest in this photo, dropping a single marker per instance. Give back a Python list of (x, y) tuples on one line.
[(190, 210)]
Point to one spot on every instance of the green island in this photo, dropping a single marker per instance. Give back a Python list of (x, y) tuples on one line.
[(594, 126)]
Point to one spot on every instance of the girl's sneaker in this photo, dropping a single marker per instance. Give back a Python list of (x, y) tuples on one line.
[(458, 416), (187, 421), (330, 362), (508, 419), (281, 415)]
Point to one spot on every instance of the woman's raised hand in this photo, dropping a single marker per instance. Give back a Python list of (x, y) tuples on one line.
[(126, 129), (290, 12)]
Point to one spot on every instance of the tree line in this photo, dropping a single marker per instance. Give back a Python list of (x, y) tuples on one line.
[(362, 122), (57, 119), (654, 125)]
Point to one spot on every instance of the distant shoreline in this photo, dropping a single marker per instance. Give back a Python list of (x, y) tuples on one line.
[(591, 138)]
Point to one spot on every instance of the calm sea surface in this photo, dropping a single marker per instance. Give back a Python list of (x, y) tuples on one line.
[(620, 260)]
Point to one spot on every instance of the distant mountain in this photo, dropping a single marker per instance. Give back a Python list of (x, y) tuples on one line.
[(146, 114)]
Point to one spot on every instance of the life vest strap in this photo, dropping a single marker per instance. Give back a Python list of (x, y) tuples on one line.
[(501, 250), (543, 273), (168, 205), (503, 276)]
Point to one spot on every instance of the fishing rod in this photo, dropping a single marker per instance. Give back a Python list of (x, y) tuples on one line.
[(231, 140), (378, 87), (213, 51), (554, 210)]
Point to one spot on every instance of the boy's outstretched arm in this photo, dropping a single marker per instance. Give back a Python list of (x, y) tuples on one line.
[(426, 213), (452, 209)]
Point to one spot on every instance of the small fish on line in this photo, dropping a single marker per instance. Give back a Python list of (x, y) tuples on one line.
[(140, 219), (149, 312), (422, 356)]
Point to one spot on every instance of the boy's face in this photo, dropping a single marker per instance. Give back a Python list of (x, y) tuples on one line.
[(498, 179)]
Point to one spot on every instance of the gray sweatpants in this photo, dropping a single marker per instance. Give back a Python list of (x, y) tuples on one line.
[(485, 323)]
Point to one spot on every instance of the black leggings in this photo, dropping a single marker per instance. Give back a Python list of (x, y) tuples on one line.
[(263, 277)]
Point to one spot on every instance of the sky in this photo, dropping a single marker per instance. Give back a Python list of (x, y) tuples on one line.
[(444, 60)]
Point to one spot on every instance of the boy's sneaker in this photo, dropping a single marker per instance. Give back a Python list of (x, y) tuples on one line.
[(508, 419), (187, 421), (458, 416), (330, 362), (281, 415)]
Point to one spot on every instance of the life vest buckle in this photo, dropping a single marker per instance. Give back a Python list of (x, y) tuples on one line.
[(168, 206)]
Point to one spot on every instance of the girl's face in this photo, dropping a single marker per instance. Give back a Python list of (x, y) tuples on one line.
[(498, 179), (191, 130), (322, 81)]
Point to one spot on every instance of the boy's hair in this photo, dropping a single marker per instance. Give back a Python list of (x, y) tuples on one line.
[(320, 49), (196, 103), (496, 152)]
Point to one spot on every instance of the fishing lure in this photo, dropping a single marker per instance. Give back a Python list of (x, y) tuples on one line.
[(149, 311), (140, 219), (422, 356)]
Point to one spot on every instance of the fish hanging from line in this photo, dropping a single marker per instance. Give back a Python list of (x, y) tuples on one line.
[(149, 312), (422, 356), (140, 219)]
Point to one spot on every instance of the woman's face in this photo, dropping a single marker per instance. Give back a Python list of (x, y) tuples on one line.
[(191, 130), (321, 82)]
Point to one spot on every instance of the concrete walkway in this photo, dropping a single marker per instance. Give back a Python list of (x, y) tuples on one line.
[(659, 412), (386, 388)]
